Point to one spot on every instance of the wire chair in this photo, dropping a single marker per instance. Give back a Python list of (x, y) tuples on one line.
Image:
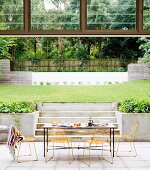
[(30, 141), (130, 138), (58, 136), (14, 142), (100, 139)]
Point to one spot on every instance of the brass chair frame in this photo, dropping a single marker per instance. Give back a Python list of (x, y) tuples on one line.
[(130, 138), (58, 136), (32, 147), (100, 138)]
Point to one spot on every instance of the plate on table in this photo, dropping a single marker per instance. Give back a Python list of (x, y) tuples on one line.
[(64, 125)]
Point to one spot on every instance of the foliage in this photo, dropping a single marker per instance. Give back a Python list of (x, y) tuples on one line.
[(5, 45), (64, 15), (120, 69), (146, 15), (122, 48), (76, 93), (132, 105), (145, 47), (82, 54), (16, 107)]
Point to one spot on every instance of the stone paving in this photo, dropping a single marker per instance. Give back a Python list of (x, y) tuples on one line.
[(125, 161)]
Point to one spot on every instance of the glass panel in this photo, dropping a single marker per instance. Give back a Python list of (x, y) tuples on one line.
[(147, 14), (111, 14), (55, 15), (11, 15)]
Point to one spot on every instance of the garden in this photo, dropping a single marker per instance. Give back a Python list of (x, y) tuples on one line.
[(77, 73), (74, 54)]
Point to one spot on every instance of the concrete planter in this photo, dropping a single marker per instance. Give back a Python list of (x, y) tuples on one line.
[(25, 122), (126, 120)]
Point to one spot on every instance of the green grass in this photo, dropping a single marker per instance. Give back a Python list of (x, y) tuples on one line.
[(57, 93)]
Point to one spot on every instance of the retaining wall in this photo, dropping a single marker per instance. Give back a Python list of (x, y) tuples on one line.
[(138, 72), (14, 77), (135, 72)]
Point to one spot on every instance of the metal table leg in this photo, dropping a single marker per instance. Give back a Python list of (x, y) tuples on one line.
[(110, 139), (44, 142), (113, 143)]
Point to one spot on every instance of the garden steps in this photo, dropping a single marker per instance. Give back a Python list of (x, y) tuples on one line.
[(76, 133), (77, 106), (75, 113), (75, 119), (74, 138)]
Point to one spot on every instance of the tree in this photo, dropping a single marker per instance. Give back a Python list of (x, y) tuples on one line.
[(5, 45), (12, 14), (123, 14), (146, 14), (98, 14), (145, 47), (122, 48)]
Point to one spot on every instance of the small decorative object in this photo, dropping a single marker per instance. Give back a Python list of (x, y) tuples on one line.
[(90, 122)]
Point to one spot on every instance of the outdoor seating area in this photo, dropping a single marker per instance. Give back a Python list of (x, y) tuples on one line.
[(75, 136), (102, 149), (74, 84)]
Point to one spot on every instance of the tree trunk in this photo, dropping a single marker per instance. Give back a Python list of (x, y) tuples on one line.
[(100, 43), (13, 58)]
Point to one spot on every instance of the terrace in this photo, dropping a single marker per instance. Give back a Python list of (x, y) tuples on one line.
[(74, 36), (123, 162)]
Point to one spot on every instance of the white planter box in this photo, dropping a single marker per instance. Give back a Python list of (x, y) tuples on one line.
[(27, 121), (126, 120)]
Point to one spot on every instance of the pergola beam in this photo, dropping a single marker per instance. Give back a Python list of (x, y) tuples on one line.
[(139, 15), (27, 15), (83, 15)]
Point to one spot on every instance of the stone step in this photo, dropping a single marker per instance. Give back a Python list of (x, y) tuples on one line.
[(76, 119), (77, 107), (75, 132), (74, 138), (40, 125), (77, 113)]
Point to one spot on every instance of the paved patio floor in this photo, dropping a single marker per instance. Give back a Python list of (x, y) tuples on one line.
[(124, 162)]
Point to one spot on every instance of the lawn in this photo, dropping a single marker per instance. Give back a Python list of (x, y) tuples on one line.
[(68, 93)]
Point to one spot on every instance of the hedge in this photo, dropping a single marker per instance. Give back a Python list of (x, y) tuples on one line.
[(17, 107), (132, 105)]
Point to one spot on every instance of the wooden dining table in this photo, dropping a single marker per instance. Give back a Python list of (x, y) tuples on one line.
[(109, 127)]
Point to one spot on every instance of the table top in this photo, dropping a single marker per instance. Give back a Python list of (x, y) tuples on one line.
[(51, 126)]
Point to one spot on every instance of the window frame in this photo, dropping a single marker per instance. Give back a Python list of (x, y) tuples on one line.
[(83, 24)]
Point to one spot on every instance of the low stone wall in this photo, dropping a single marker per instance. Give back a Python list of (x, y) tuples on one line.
[(135, 72), (138, 72), (14, 77), (5, 72), (25, 122), (20, 78), (127, 120)]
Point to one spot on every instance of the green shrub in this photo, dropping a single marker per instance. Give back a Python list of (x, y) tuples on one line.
[(16, 107), (135, 106)]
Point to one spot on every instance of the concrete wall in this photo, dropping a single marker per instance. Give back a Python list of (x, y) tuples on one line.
[(25, 122), (135, 72), (20, 78), (76, 78), (14, 77), (5, 72), (138, 72), (126, 121)]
